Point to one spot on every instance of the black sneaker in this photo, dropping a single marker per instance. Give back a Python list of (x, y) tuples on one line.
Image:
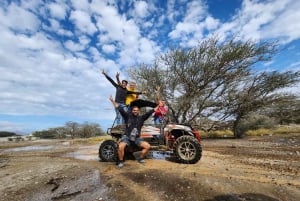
[(120, 164)]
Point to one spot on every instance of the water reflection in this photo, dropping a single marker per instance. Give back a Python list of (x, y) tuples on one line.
[(163, 155), (29, 148)]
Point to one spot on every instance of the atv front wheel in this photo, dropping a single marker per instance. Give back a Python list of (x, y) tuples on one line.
[(187, 149), (108, 151)]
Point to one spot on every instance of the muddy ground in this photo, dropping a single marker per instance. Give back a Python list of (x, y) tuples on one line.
[(257, 168)]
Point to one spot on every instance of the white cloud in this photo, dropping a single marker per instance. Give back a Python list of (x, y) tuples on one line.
[(147, 51), (141, 9), (110, 22), (83, 22), (19, 19), (12, 127), (54, 24), (192, 23), (196, 11), (33, 5), (103, 38), (256, 20), (84, 40), (211, 23), (72, 46), (57, 10), (109, 48), (295, 66), (172, 10), (83, 5), (286, 24), (264, 20)]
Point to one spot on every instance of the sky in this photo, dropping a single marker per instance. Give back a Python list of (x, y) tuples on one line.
[(52, 52)]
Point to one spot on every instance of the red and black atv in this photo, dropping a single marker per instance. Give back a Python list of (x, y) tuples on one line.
[(182, 142)]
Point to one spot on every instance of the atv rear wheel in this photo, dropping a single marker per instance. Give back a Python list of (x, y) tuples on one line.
[(187, 149), (108, 151)]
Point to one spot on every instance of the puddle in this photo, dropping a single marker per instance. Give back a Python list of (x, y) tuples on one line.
[(82, 156), (29, 148), (88, 153), (85, 153), (161, 155)]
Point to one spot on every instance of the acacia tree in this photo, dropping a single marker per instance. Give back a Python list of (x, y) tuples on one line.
[(89, 130), (254, 93), (72, 128), (285, 111), (214, 80)]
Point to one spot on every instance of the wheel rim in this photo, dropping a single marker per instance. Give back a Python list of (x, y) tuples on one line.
[(108, 151), (186, 150)]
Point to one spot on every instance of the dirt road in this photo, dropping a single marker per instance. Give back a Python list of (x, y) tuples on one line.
[(257, 168)]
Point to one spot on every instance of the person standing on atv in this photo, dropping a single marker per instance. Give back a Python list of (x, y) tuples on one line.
[(121, 92), (134, 122), (129, 97), (160, 114)]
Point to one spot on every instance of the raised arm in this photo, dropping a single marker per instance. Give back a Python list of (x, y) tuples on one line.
[(116, 105), (121, 109), (109, 79), (118, 79), (158, 93)]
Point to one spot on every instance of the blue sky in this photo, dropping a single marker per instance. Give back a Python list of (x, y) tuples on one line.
[(51, 52)]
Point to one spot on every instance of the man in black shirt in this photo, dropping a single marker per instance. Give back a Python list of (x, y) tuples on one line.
[(120, 97), (134, 122)]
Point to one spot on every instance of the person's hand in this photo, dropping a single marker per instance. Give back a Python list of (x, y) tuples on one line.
[(157, 88), (111, 98), (116, 105), (103, 72), (156, 109), (118, 74)]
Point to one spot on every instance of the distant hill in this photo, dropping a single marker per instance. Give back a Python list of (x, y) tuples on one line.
[(7, 134)]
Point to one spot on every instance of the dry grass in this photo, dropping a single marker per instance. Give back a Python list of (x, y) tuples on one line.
[(91, 140), (217, 134), (279, 130), (99, 138)]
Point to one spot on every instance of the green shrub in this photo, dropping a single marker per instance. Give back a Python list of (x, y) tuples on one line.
[(254, 122)]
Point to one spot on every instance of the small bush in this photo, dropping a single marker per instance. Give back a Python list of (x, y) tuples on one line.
[(255, 122)]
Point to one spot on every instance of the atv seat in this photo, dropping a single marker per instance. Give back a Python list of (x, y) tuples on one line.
[(116, 132)]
